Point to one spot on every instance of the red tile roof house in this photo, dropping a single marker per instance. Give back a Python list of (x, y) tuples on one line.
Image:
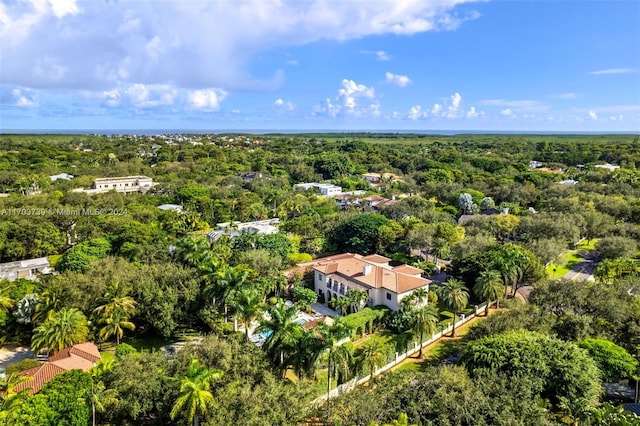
[(385, 285), (82, 356)]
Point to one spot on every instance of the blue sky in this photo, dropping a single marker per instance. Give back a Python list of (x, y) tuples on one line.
[(320, 64)]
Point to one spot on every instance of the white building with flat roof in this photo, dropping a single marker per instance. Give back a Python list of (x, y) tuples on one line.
[(326, 189), (119, 184), (28, 269), (267, 226)]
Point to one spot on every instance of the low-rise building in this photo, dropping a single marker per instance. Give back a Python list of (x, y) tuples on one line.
[(607, 166), (28, 269), (326, 189), (253, 176), (385, 284), (268, 226), (63, 176), (124, 184), (82, 356)]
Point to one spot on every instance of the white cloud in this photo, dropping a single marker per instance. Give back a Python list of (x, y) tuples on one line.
[(143, 96), (472, 113), (21, 99), (454, 107), (292, 62), (122, 43), (235, 111), (613, 71), (64, 7), (564, 96), (206, 99), (111, 97), (380, 55), (288, 105), (353, 99), (593, 115), (436, 109), (397, 79), (507, 112), (416, 112), (616, 118)]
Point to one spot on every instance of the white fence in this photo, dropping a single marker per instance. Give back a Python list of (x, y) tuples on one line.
[(356, 381)]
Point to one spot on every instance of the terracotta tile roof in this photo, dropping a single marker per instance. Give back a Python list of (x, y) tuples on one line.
[(376, 258), (406, 269), (82, 356), (40, 374), (364, 272), (86, 350)]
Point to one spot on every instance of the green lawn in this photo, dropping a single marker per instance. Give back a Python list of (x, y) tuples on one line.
[(555, 272), (150, 343)]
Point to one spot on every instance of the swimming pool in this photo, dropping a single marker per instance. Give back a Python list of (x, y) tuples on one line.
[(266, 334)]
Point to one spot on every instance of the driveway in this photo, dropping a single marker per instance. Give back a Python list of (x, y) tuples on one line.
[(13, 354), (584, 269)]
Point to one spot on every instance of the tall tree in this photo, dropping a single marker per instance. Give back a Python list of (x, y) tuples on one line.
[(424, 322), (113, 324), (195, 397), (489, 287), (357, 298), (284, 331), (372, 356), (66, 328), (455, 296), (247, 304)]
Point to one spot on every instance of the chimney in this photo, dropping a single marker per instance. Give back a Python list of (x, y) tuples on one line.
[(366, 269)]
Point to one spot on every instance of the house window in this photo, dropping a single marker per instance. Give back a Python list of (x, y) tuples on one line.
[(388, 296)]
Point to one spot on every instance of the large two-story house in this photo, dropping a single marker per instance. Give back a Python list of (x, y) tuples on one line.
[(386, 285)]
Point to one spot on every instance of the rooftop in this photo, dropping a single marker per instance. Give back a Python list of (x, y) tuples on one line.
[(371, 272)]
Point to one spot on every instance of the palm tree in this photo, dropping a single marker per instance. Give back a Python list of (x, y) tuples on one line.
[(66, 328), (441, 249), (357, 298), (195, 397), (247, 304), (372, 356), (101, 398), (424, 322), (420, 296), (225, 282), (489, 286), (6, 302), (285, 333), (116, 300), (114, 323), (455, 296), (50, 301), (341, 304)]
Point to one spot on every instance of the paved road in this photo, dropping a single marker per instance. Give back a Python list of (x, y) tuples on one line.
[(584, 269)]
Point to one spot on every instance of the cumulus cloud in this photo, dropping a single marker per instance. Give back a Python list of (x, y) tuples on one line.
[(123, 45), (472, 113), (416, 112), (206, 99), (353, 99), (397, 79), (143, 96), (288, 105), (435, 111), (507, 112), (24, 99), (454, 106), (593, 115)]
